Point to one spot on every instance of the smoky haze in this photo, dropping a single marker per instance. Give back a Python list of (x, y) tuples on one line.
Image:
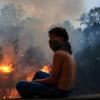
[(39, 20), (23, 38), (33, 24), (19, 46), (24, 33)]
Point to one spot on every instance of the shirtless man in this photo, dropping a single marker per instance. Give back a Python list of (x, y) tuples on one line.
[(62, 79)]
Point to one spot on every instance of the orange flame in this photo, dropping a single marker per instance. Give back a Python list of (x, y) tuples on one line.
[(46, 68), (13, 94), (29, 76), (6, 68)]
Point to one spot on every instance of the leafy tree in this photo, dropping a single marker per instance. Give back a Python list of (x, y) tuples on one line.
[(89, 58), (91, 22)]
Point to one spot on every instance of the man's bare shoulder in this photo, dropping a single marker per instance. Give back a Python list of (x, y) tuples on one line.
[(62, 53)]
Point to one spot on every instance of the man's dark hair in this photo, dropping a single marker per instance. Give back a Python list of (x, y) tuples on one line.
[(59, 31)]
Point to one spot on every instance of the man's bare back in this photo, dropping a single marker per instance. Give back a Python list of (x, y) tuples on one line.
[(66, 69)]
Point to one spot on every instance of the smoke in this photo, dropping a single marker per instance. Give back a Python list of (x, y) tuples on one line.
[(19, 45), (27, 29), (43, 14), (58, 10), (15, 30), (23, 32), (8, 54)]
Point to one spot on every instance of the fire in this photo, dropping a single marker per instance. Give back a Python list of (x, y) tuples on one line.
[(9, 93), (46, 68), (6, 68), (29, 76), (31, 73), (13, 94)]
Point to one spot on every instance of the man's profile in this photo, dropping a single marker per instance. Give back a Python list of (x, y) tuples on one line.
[(60, 82)]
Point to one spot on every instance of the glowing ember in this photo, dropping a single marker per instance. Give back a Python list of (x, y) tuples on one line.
[(9, 93), (46, 68), (13, 93), (31, 73), (29, 76), (6, 68)]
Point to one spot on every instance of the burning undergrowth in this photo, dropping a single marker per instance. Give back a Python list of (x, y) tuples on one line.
[(15, 67), (20, 53)]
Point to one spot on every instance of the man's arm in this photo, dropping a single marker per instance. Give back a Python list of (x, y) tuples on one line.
[(57, 61)]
